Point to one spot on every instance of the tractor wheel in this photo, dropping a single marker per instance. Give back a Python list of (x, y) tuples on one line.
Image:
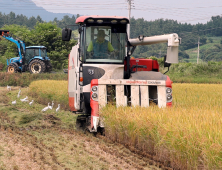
[(81, 123), (48, 66), (12, 68), (37, 66), (101, 131)]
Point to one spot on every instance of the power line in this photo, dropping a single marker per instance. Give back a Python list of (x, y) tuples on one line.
[(115, 5), (174, 11), (179, 11)]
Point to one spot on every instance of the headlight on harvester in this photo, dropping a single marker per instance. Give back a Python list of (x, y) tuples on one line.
[(99, 21), (114, 21), (94, 96), (168, 90), (94, 88), (90, 21), (94, 93), (123, 21), (169, 97)]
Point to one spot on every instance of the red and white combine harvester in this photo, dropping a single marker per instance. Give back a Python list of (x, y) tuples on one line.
[(101, 71)]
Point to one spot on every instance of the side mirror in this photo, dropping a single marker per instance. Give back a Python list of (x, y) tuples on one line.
[(165, 63), (66, 34)]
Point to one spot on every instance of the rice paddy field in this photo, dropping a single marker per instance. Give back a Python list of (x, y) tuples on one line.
[(45, 91), (185, 136)]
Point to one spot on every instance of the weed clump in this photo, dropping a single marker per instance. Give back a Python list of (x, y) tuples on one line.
[(27, 118)]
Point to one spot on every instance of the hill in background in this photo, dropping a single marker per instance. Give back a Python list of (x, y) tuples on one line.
[(29, 9)]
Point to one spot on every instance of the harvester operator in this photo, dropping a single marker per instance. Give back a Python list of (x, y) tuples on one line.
[(100, 46)]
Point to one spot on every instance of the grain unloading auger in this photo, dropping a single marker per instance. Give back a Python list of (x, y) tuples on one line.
[(99, 74)]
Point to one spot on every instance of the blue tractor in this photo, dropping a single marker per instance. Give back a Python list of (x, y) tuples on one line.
[(33, 58)]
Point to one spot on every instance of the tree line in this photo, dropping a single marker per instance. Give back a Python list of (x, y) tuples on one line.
[(34, 31), (30, 23), (187, 32)]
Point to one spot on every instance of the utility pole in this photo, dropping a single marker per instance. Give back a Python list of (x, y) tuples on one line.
[(129, 13), (198, 49), (160, 54)]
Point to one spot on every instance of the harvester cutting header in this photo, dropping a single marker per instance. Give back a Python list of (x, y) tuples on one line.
[(101, 70)]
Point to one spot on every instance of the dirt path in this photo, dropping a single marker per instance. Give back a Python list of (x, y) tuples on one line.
[(50, 145)]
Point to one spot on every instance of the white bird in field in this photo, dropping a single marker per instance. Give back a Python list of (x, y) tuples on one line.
[(50, 107), (46, 108), (9, 88), (19, 93), (57, 109), (31, 102), (14, 102), (25, 99)]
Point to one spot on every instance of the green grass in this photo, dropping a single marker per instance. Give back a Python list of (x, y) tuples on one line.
[(177, 78), (24, 115), (49, 140), (24, 79), (203, 72), (27, 118)]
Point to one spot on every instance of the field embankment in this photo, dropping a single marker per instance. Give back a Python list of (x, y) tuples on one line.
[(24, 79), (204, 72)]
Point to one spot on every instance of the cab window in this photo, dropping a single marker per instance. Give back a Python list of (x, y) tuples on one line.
[(103, 46)]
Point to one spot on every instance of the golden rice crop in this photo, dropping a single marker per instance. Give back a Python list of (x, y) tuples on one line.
[(189, 134), (45, 91)]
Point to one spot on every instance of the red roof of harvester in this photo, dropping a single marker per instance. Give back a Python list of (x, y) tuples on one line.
[(83, 18)]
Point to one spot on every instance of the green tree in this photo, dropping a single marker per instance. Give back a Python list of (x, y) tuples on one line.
[(50, 36), (18, 32), (210, 40), (45, 34), (31, 22)]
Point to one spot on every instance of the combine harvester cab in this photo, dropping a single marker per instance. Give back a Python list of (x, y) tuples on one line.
[(99, 74)]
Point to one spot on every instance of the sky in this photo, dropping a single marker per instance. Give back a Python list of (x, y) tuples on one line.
[(184, 11)]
